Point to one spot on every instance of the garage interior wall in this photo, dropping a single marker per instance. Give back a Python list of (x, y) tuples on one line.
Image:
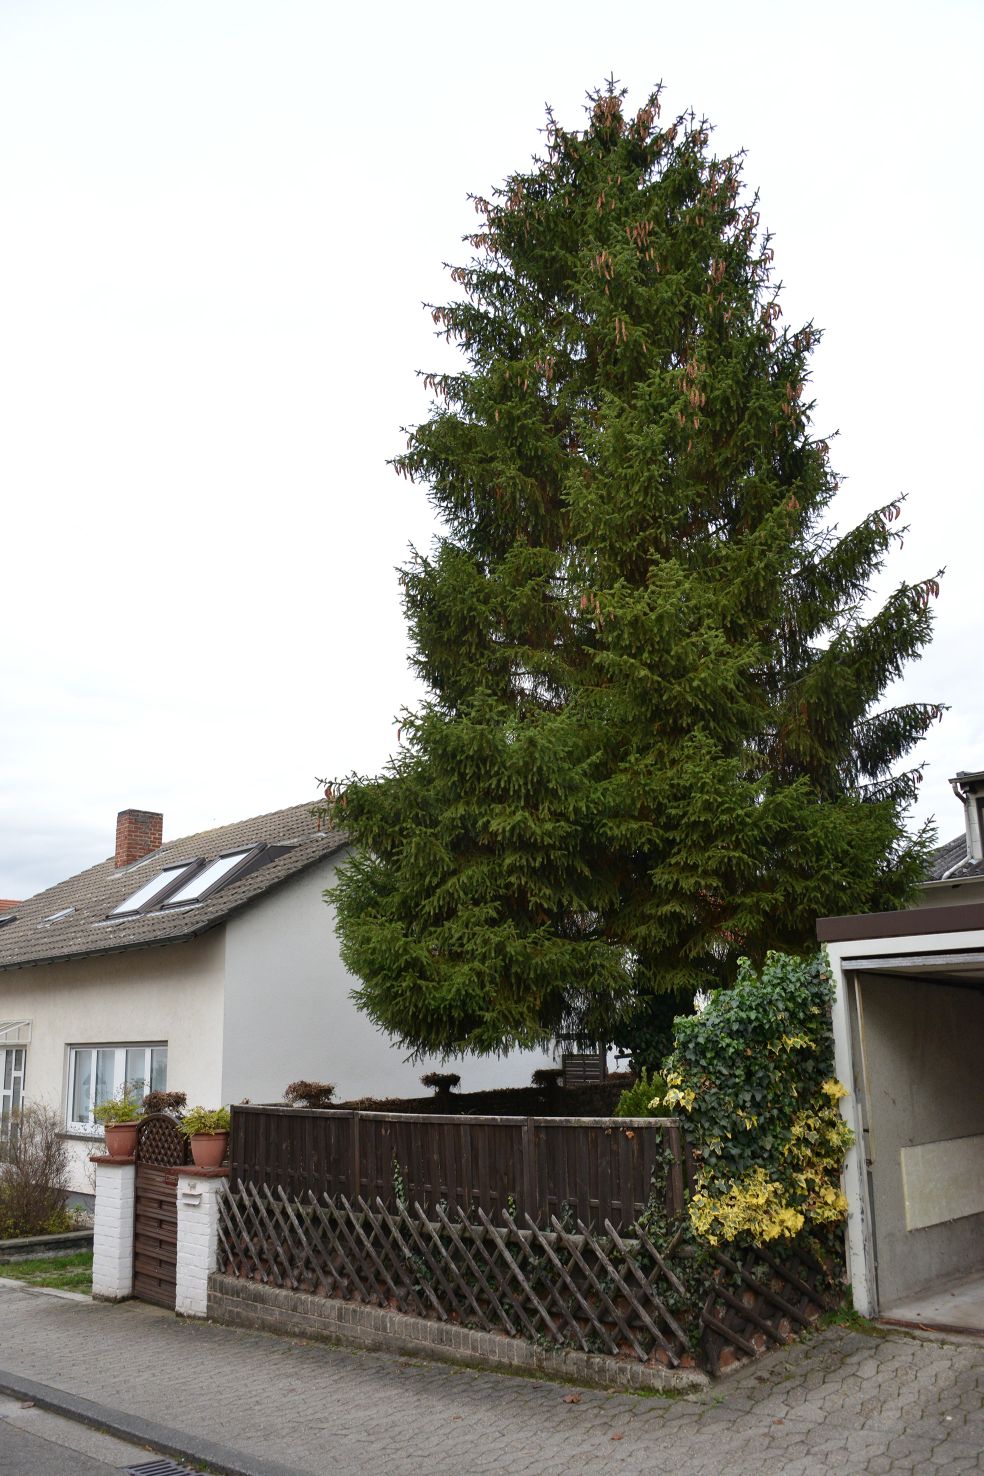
[(924, 1083)]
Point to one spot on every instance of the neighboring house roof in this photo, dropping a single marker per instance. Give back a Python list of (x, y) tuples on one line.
[(36, 935), (6, 903), (953, 858)]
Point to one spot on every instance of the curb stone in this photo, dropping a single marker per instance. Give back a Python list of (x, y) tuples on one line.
[(45, 1291), (221, 1459)]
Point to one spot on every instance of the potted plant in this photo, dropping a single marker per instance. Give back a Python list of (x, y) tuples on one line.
[(208, 1130), (442, 1083), (166, 1104), (118, 1118)]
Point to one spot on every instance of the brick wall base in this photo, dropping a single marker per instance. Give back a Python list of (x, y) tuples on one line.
[(250, 1304)]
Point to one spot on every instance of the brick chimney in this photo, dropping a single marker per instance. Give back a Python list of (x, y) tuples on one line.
[(138, 832)]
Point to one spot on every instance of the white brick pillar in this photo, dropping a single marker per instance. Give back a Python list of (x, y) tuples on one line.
[(199, 1192), (112, 1241)]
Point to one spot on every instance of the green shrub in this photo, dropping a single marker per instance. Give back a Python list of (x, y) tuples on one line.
[(205, 1120), (644, 1098), (754, 1075), (124, 1107)]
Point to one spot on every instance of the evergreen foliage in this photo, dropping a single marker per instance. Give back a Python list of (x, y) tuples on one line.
[(644, 1098), (652, 741)]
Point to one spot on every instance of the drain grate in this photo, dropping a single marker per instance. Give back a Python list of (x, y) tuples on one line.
[(159, 1468)]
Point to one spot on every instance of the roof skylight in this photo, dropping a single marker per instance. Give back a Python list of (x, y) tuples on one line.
[(208, 879), (57, 916), (150, 890)]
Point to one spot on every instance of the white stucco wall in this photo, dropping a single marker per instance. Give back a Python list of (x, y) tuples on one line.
[(172, 994), (288, 1014)]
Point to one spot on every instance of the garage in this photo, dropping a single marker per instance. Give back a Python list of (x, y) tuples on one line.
[(909, 1038)]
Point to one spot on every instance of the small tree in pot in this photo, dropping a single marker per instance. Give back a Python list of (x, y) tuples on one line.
[(118, 1118), (208, 1130), (169, 1104), (442, 1083), (309, 1093)]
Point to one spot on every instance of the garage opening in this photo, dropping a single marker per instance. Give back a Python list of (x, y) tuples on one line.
[(917, 1038)]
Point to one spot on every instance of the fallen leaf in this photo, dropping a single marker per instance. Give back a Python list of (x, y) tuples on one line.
[(618, 1437), (572, 1399)]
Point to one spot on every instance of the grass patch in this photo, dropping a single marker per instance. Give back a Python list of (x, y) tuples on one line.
[(66, 1273)]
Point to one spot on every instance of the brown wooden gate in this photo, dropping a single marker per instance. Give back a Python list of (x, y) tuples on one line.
[(161, 1149)]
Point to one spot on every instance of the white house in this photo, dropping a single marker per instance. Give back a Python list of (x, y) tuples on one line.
[(207, 965)]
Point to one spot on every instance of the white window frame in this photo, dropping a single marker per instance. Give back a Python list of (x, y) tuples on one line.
[(18, 1076), (86, 1125)]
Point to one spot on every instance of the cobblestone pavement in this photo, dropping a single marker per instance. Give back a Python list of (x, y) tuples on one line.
[(844, 1401)]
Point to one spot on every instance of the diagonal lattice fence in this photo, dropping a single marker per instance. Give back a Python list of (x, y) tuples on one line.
[(758, 1299), (567, 1285)]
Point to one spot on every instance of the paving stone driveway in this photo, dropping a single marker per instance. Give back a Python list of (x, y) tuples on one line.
[(844, 1402)]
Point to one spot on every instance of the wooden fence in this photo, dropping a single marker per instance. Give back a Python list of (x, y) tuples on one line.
[(600, 1169), (567, 1285), (564, 1284), (524, 1226)]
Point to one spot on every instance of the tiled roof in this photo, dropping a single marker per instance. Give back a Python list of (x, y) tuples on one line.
[(951, 856), (93, 894)]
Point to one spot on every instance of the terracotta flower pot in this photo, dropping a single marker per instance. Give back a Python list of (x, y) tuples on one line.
[(208, 1150), (121, 1139)]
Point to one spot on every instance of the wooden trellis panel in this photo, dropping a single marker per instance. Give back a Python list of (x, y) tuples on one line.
[(567, 1284), (161, 1148), (760, 1299)]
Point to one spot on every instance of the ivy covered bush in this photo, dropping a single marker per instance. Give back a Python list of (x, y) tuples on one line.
[(753, 1076)]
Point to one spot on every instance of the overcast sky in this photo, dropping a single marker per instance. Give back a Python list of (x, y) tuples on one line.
[(219, 221)]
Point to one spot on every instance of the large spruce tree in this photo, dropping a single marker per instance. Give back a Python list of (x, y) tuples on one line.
[(653, 740)]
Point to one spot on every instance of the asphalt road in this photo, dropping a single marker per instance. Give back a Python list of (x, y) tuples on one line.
[(34, 1442)]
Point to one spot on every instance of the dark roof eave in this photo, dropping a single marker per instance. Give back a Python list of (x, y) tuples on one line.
[(959, 917), (144, 943)]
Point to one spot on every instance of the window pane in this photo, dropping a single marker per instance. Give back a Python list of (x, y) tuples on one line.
[(213, 873), (15, 1099), (8, 1069), (83, 1086), (150, 889), (158, 1069), (19, 1059), (105, 1070), (136, 1072)]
